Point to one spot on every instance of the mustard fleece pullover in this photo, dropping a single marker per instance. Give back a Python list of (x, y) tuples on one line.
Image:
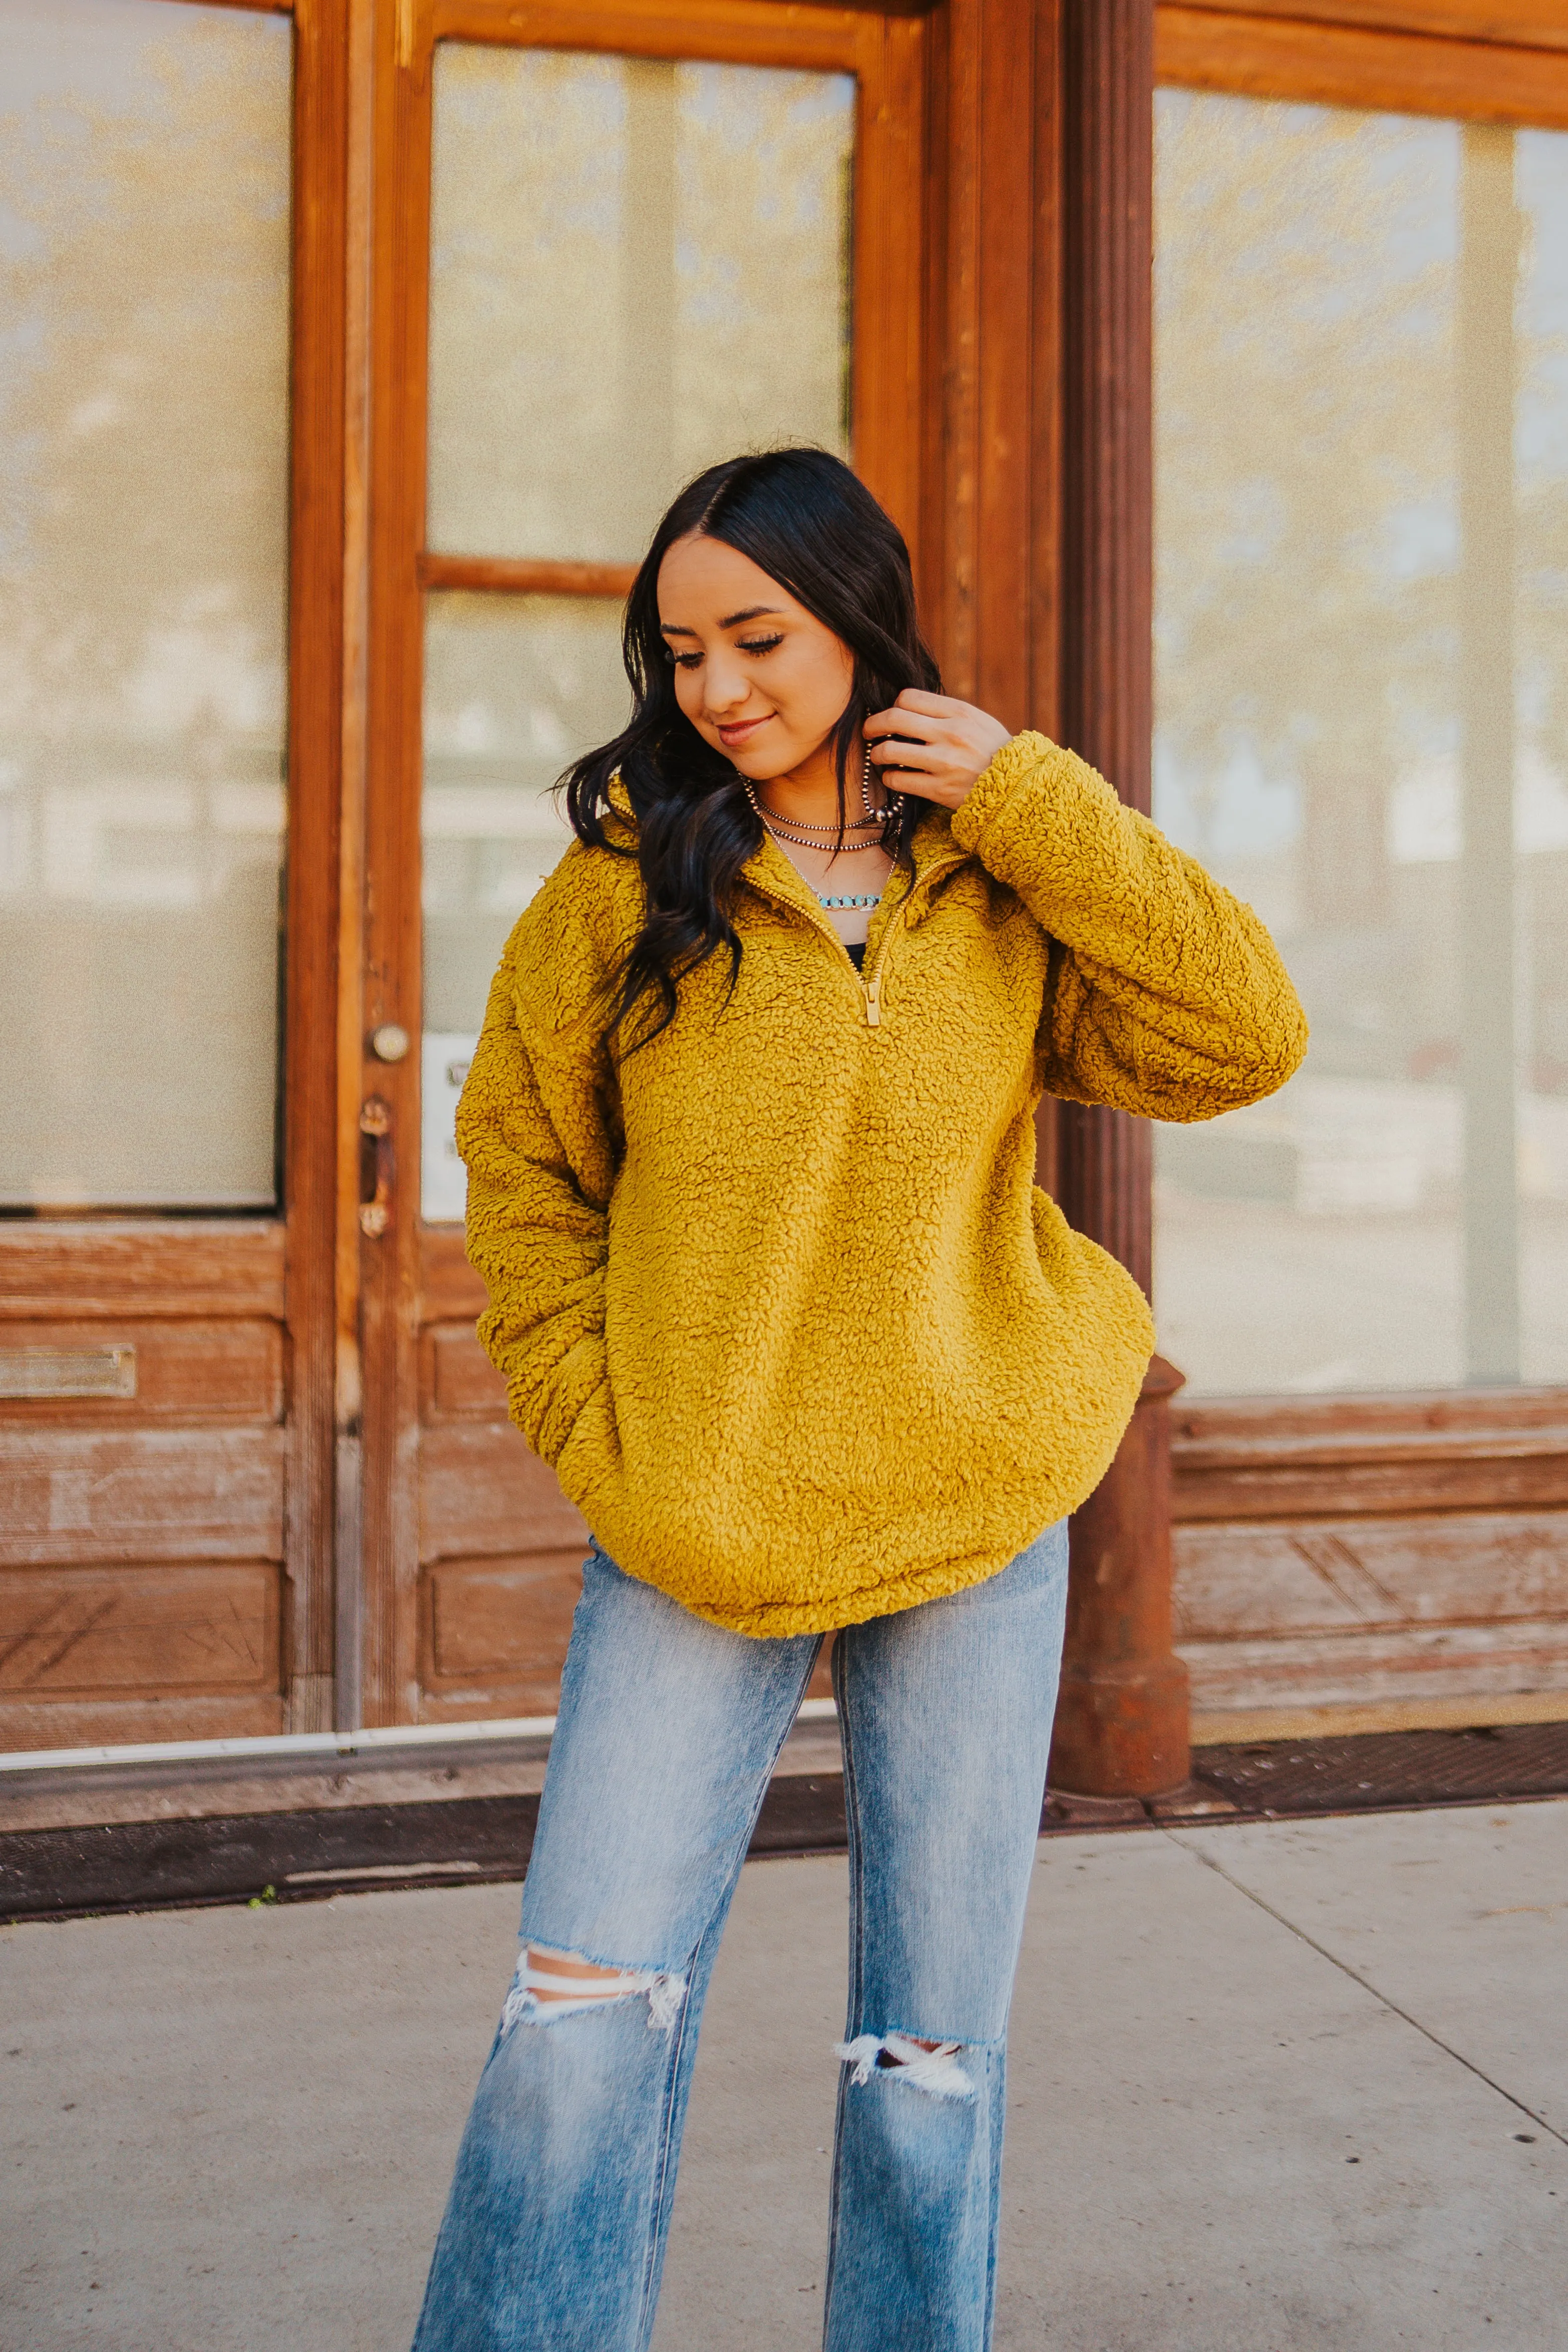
[(776, 1295)]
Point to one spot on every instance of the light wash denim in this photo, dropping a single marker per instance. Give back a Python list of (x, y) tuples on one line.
[(669, 1728)]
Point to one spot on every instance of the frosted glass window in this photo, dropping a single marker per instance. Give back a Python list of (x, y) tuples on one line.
[(144, 300), (1363, 726), (636, 268), (514, 688)]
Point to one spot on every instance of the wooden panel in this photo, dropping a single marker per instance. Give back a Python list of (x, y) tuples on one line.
[(1331, 1575), (140, 1266), (194, 1372), (1464, 1714), (1285, 1490), (66, 1496), (1364, 1668), (1460, 1422), (111, 1722), (1540, 24), (482, 1491), (257, 7), (495, 1635), (502, 1619), (1269, 1457), (526, 575), (457, 1376), (1343, 65), (156, 1629), (450, 1290), (752, 32), (1365, 1551)]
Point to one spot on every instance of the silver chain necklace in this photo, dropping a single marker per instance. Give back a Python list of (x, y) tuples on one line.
[(803, 834)]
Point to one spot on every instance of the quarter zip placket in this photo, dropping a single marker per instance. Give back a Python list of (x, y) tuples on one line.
[(793, 907), (871, 989)]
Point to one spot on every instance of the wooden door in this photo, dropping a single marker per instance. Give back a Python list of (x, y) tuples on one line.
[(168, 819), (603, 218)]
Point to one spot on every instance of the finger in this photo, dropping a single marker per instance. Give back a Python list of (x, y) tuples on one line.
[(907, 725), (927, 757), (894, 722), (931, 706)]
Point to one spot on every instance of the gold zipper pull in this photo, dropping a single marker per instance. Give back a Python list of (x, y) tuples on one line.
[(874, 1001)]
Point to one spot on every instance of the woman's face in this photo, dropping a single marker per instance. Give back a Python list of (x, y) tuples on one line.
[(760, 679)]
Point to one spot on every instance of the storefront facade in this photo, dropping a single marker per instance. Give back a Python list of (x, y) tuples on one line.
[(352, 349)]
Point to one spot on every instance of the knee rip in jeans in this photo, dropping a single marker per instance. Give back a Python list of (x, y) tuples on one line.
[(550, 1984), (924, 2065)]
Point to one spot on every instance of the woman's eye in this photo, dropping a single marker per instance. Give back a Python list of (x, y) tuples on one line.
[(761, 645), (686, 661)]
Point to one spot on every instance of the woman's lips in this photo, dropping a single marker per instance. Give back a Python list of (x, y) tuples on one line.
[(745, 728)]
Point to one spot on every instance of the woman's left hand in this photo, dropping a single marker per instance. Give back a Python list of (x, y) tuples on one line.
[(948, 744)]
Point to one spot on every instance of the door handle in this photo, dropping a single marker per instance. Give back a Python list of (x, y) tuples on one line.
[(376, 1168)]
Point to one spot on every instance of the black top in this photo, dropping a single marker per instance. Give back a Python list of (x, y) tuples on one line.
[(857, 955)]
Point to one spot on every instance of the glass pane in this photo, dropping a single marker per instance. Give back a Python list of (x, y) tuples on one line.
[(636, 268), (1363, 726), (515, 687), (144, 276)]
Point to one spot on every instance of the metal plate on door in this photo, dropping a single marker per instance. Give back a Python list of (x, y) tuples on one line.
[(67, 1372)]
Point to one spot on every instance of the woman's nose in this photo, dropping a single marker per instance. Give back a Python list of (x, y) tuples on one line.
[(725, 686)]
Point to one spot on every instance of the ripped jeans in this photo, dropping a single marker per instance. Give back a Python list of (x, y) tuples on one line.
[(555, 2227)]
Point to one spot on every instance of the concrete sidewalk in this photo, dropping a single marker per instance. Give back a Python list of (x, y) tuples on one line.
[(1272, 2086)]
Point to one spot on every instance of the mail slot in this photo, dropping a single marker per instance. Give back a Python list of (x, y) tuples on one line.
[(67, 1372)]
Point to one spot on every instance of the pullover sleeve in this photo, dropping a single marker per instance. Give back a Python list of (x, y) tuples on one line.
[(1166, 995), (538, 1126)]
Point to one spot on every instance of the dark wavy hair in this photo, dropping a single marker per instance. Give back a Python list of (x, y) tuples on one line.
[(804, 519)]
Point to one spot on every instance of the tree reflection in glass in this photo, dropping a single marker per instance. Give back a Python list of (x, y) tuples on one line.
[(1362, 402)]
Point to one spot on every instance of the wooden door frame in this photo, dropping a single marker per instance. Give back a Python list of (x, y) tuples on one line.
[(413, 1273), (279, 1267), (1469, 63), (1464, 61), (1492, 24), (990, 534), (317, 556)]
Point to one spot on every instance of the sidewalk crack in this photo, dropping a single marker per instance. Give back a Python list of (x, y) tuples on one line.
[(1367, 1985)]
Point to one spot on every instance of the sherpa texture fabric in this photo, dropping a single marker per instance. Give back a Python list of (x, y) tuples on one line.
[(776, 1293)]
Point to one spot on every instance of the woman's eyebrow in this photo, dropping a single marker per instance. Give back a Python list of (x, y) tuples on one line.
[(730, 620)]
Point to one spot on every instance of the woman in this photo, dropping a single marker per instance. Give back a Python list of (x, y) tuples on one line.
[(750, 1140)]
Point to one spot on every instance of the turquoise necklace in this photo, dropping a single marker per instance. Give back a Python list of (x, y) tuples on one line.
[(881, 818)]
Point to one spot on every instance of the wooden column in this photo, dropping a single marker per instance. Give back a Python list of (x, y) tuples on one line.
[(988, 537), (1121, 1725)]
